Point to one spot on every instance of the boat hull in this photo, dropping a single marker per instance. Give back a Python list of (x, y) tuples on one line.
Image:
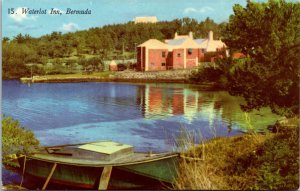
[(151, 174)]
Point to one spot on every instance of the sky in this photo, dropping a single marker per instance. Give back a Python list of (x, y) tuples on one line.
[(104, 12)]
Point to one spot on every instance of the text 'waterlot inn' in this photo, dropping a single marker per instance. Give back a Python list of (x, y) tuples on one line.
[(179, 53)]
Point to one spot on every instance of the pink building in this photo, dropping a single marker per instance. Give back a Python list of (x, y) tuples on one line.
[(113, 66), (179, 53)]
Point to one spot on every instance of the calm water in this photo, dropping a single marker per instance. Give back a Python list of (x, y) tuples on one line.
[(148, 116)]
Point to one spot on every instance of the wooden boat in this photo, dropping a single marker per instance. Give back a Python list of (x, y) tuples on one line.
[(100, 165)]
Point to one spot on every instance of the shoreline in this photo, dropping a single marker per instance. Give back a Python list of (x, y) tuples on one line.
[(48, 79), (179, 77)]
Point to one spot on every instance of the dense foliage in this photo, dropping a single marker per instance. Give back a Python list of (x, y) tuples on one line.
[(16, 139), (268, 33), (269, 162), (92, 64), (107, 42), (219, 73)]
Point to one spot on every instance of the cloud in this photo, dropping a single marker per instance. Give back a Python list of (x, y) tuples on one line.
[(56, 9), (189, 10), (19, 16), (194, 10), (69, 27), (20, 26), (33, 27)]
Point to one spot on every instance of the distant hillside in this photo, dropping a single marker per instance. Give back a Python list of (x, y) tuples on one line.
[(107, 42)]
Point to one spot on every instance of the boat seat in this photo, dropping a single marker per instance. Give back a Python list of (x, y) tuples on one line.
[(59, 151), (108, 150)]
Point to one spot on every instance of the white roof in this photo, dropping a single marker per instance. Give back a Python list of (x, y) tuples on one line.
[(106, 147), (154, 44), (212, 45), (200, 40), (184, 41), (175, 42), (203, 44)]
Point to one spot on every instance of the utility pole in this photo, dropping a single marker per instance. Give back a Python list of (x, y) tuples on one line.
[(123, 56)]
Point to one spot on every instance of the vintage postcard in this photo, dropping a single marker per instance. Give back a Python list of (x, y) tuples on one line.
[(149, 94)]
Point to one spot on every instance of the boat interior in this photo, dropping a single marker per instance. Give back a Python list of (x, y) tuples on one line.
[(96, 153)]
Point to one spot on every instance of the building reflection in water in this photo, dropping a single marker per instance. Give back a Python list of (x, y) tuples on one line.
[(161, 102), (217, 112)]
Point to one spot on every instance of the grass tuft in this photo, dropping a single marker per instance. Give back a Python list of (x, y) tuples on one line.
[(249, 161)]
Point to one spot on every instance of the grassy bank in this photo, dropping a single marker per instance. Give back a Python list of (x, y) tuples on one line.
[(250, 161)]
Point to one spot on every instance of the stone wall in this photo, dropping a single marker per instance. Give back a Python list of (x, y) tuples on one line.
[(154, 75), (178, 76)]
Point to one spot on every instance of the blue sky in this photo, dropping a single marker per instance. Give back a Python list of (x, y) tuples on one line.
[(105, 12)]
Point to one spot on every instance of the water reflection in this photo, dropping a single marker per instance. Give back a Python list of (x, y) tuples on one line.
[(161, 102), (138, 114), (147, 116)]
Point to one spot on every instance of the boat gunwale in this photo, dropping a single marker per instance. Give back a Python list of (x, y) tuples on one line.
[(153, 159)]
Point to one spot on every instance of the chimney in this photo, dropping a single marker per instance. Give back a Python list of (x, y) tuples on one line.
[(175, 35), (210, 35), (191, 35)]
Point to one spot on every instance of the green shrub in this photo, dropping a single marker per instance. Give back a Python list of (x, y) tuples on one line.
[(249, 161), (205, 75), (279, 161), (16, 139)]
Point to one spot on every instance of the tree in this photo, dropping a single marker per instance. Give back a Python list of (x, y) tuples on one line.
[(268, 33), (19, 38), (16, 139), (14, 56), (93, 43), (5, 39), (92, 64)]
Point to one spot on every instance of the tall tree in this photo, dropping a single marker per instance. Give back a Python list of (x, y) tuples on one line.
[(268, 33), (14, 56), (5, 39)]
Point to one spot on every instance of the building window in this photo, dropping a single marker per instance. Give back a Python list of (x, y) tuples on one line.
[(178, 54), (190, 51), (163, 64), (163, 54)]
